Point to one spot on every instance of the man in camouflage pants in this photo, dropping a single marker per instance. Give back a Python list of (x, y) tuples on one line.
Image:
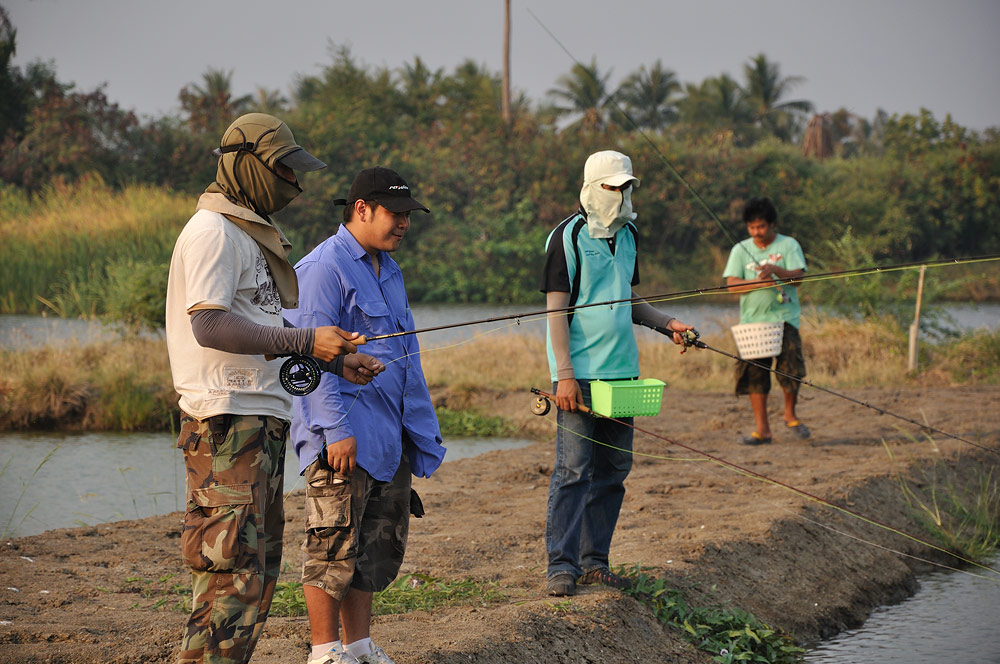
[(229, 280), (232, 532)]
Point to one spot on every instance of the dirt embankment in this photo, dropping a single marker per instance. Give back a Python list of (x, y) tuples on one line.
[(89, 594)]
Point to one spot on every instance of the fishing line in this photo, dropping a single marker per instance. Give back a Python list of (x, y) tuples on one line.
[(769, 480), (883, 547), (700, 344), (678, 295), (697, 343)]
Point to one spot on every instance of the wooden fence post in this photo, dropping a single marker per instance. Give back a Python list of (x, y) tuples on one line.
[(911, 363)]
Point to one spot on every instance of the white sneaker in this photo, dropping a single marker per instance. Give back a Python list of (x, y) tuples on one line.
[(334, 657), (375, 655)]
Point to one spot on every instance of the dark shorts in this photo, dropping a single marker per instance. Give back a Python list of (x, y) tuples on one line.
[(356, 528), (752, 379)]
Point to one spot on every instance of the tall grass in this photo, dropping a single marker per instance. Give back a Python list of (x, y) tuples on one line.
[(126, 384), (59, 245), (114, 385), (960, 512)]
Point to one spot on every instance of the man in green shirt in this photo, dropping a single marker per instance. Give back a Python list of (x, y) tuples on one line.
[(768, 255)]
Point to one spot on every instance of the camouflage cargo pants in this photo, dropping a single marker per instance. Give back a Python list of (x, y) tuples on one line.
[(232, 531), (356, 528)]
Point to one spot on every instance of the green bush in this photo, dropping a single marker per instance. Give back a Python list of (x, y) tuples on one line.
[(135, 295)]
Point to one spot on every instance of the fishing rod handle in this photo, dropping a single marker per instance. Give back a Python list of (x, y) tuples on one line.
[(579, 406)]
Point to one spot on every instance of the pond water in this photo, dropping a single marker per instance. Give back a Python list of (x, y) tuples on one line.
[(62, 480), (953, 617), (36, 331)]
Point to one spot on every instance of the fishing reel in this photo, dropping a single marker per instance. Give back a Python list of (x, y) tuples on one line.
[(541, 405), (690, 338), (299, 375)]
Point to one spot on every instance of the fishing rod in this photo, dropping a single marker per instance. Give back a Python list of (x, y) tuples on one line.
[(635, 125), (691, 338), (764, 283), (764, 478)]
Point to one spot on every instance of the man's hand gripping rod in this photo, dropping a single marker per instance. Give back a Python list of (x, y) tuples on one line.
[(688, 337), (543, 404)]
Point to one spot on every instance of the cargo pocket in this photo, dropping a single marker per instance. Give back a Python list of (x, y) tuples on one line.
[(220, 530), (328, 517), (190, 433)]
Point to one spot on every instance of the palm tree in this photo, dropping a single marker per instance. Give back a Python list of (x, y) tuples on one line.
[(421, 89), (764, 89), (212, 107), (269, 101), (647, 96), (584, 91), (717, 105)]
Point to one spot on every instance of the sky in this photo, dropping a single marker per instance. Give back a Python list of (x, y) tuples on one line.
[(862, 55)]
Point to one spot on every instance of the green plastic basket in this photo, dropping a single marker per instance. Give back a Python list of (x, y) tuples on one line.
[(626, 398)]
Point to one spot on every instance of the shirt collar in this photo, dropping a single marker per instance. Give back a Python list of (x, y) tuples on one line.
[(358, 252)]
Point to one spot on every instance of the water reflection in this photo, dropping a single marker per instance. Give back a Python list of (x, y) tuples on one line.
[(951, 618)]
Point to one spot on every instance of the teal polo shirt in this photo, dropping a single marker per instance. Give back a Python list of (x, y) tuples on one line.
[(601, 339)]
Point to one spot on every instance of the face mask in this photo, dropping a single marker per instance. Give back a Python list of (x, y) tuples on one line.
[(243, 177), (274, 192), (607, 211)]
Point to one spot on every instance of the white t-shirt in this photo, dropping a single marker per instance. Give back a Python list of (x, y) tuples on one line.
[(215, 265)]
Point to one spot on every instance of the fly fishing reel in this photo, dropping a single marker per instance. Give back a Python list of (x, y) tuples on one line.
[(299, 375), (541, 406)]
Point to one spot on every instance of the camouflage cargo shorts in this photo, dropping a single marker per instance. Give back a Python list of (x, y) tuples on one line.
[(751, 379), (356, 528)]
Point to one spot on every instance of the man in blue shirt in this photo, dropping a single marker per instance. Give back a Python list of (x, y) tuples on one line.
[(358, 445), (592, 257)]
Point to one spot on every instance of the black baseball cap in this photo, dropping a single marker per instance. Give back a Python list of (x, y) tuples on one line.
[(385, 187)]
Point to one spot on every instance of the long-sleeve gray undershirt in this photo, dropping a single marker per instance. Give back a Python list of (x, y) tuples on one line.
[(231, 333)]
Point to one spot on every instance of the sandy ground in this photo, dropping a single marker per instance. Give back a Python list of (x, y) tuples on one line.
[(88, 594)]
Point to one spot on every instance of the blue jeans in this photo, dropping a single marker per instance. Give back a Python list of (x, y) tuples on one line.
[(586, 490)]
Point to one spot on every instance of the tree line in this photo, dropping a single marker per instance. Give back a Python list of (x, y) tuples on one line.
[(912, 186)]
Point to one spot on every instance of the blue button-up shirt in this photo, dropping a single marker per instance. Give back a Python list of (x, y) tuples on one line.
[(338, 286)]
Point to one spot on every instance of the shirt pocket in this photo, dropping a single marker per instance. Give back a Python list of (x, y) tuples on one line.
[(373, 317)]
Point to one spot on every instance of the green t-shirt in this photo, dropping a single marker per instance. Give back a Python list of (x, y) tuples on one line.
[(762, 306)]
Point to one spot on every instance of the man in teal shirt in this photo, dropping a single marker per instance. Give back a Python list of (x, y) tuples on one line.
[(768, 255), (592, 257)]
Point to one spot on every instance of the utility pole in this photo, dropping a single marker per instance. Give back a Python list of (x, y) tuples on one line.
[(505, 83)]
